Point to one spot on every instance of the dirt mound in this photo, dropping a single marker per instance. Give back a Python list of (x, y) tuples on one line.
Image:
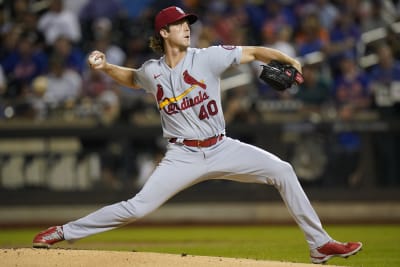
[(64, 257)]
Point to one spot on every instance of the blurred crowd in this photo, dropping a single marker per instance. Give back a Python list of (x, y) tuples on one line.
[(350, 50)]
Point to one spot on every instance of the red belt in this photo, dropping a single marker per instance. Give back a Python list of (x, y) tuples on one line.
[(200, 143)]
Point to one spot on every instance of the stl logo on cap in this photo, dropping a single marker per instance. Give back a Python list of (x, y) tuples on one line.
[(180, 10)]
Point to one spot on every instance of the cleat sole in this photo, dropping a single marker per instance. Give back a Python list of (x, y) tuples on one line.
[(40, 245)]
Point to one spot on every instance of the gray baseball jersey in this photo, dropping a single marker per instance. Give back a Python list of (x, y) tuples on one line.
[(188, 95), (189, 100)]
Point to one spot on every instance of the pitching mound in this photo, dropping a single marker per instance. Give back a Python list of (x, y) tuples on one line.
[(63, 257)]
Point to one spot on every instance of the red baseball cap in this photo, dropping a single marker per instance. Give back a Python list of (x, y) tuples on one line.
[(170, 15)]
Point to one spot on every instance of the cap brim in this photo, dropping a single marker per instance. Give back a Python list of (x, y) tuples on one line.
[(192, 18)]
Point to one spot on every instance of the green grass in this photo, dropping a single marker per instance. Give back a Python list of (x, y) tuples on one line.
[(282, 243)]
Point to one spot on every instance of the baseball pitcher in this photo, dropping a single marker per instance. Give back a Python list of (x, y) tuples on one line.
[(185, 83)]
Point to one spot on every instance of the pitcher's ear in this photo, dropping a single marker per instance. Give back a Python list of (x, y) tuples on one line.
[(163, 32)]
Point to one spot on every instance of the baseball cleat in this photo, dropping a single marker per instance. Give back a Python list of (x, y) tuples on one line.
[(48, 237), (334, 249)]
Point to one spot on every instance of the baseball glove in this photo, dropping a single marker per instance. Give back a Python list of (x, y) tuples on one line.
[(280, 76)]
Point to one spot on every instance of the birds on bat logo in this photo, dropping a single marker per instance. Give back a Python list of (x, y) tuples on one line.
[(170, 104)]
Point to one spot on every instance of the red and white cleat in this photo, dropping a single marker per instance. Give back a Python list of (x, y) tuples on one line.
[(48, 237), (334, 249)]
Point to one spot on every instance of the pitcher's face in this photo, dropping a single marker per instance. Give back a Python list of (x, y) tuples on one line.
[(178, 34)]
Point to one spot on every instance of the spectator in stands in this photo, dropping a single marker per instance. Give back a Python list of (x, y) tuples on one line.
[(312, 36), (73, 6), (343, 39), (352, 96), (385, 83), (95, 83), (315, 92), (232, 19), (9, 41), (18, 9), (101, 93), (63, 85), (93, 10), (269, 13), (11, 29), (279, 37), (352, 92), (372, 16), (58, 21), (73, 55), (207, 37), (30, 24), (22, 65), (328, 13), (103, 28), (385, 79)]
